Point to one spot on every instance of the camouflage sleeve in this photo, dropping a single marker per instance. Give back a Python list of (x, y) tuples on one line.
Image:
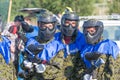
[(115, 68), (7, 72), (110, 70)]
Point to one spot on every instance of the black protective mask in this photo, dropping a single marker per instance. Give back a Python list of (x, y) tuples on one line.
[(46, 34), (69, 30), (93, 38)]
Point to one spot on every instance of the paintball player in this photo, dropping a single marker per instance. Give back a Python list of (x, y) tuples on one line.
[(74, 41), (12, 32), (100, 56), (40, 50), (5, 54)]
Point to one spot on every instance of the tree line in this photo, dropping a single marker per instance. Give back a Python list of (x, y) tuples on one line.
[(82, 7)]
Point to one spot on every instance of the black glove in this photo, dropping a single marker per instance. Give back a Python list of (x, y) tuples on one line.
[(92, 56), (26, 28)]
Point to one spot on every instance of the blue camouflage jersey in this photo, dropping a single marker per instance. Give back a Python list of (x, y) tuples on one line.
[(77, 45), (5, 48), (104, 47), (50, 49)]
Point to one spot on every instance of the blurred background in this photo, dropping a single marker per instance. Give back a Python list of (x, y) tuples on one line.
[(105, 10), (82, 7)]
